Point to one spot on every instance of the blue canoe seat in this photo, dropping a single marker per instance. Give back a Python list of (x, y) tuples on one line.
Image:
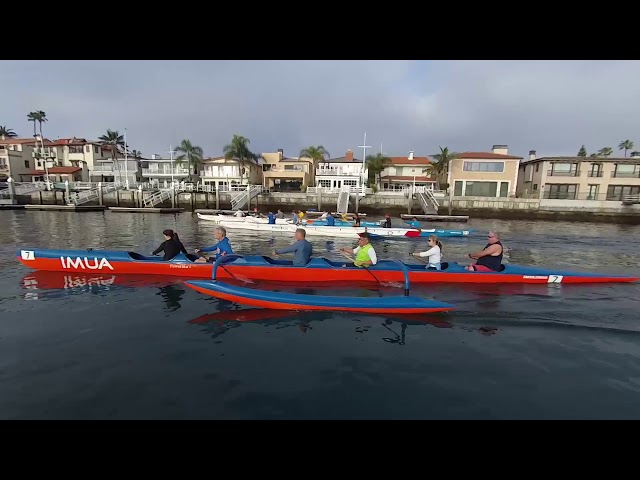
[(318, 263)]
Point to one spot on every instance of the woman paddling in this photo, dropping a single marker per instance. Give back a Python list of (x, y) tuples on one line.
[(171, 246), (434, 253)]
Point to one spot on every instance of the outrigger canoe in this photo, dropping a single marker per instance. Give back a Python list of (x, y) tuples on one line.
[(248, 218), (264, 268), (294, 301), (343, 232)]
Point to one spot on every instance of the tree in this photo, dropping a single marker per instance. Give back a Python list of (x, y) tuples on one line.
[(238, 150), (625, 145), (441, 167), (583, 152), (191, 153), (316, 154), (6, 132), (605, 152), (40, 117), (593, 155), (114, 140), (376, 164)]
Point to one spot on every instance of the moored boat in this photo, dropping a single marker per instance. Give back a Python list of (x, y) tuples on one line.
[(264, 268), (248, 218)]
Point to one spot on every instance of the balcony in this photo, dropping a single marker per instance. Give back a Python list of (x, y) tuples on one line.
[(572, 173), (100, 168), (165, 172), (222, 175), (625, 175), (48, 152), (337, 171)]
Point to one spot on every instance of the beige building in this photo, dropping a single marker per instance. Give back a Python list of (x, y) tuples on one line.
[(579, 178), (225, 174), (17, 157), (484, 174), (286, 174)]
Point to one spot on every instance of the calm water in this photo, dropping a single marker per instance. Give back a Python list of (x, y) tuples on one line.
[(156, 349)]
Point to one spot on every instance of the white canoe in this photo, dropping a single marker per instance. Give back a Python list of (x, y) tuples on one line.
[(247, 219), (321, 231)]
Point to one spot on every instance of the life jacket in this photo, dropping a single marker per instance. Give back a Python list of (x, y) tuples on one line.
[(363, 255)]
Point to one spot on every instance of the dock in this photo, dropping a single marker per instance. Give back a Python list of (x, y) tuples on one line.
[(437, 218), (146, 210), (67, 208)]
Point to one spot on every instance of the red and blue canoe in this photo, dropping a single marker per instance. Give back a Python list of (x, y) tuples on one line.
[(296, 301), (264, 268)]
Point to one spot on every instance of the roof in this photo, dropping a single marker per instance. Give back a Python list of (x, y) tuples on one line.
[(70, 141), (407, 161), (583, 159), (408, 178), (486, 156), (23, 141), (341, 160), (55, 170)]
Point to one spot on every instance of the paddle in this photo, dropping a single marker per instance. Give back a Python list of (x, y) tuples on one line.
[(226, 259), (354, 261)]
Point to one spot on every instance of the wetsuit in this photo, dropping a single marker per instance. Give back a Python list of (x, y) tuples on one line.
[(171, 248)]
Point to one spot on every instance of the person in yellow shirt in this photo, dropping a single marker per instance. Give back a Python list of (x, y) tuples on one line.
[(364, 252)]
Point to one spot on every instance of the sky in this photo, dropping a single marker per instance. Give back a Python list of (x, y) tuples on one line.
[(552, 107)]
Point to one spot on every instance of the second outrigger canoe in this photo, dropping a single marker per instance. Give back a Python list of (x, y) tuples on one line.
[(264, 268)]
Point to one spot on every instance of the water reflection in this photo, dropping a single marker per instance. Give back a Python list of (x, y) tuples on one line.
[(172, 294)]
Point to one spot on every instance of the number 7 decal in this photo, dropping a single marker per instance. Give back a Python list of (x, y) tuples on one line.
[(555, 279)]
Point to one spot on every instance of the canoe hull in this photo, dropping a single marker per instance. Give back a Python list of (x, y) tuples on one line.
[(290, 301), (318, 270)]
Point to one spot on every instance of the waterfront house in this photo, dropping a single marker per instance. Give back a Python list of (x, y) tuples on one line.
[(286, 174), (579, 178), (160, 172), (16, 157), (404, 172), (484, 174), (225, 174), (334, 173)]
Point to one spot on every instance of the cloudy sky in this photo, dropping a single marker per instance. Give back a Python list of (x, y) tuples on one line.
[(549, 106)]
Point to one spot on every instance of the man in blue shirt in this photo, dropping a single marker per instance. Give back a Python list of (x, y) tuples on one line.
[(301, 247), (272, 218), (221, 247), (330, 220)]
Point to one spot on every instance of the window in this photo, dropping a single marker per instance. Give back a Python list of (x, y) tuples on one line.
[(483, 167), (352, 183), (3, 162), (535, 187), (617, 192), (561, 191), (626, 170), (457, 191), (87, 149), (96, 150), (564, 169), (593, 192), (504, 189), (481, 189), (596, 170), (537, 168), (26, 164), (325, 183)]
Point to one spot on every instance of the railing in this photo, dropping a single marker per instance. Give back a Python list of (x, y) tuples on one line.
[(156, 198), (167, 171), (78, 198), (102, 168), (615, 197), (241, 199), (572, 173), (625, 174), (631, 199), (362, 189), (595, 174), (24, 188), (345, 173)]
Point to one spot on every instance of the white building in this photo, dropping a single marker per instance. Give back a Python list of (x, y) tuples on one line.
[(160, 172), (335, 173), (407, 171), (223, 174)]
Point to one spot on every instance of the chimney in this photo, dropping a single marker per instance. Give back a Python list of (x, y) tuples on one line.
[(411, 155), (500, 149), (349, 156), (532, 154), (281, 152)]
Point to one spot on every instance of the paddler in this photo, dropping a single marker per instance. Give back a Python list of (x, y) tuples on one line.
[(414, 223), (364, 252), (489, 259), (171, 246), (331, 221), (434, 253), (221, 247), (302, 248)]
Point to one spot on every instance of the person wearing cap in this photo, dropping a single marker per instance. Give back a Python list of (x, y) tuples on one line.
[(364, 252)]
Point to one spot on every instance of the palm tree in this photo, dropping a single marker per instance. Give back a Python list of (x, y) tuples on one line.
[(316, 154), (191, 153), (238, 150), (605, 152), (625, 145), (376, 164), (6, 132), (114, 140), (582, 152), (40, 117), (442, 166)]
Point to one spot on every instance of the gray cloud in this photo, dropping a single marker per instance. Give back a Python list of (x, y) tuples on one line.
[(550, 106)]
